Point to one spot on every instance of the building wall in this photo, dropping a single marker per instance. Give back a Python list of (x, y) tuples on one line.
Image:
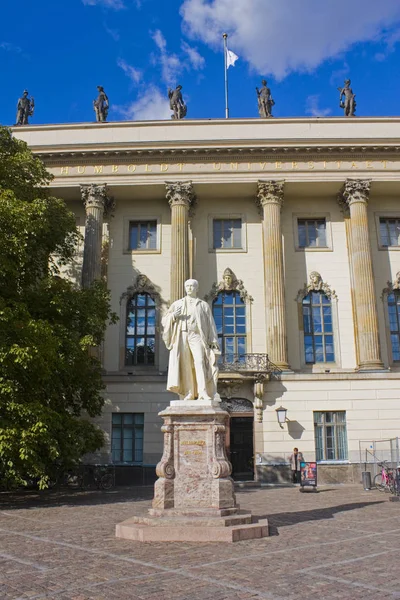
[(371, 400)]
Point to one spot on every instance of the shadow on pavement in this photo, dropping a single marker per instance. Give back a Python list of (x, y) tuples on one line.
[(25, 499), (286, 519)]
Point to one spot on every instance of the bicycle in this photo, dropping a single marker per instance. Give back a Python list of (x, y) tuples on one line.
[(102, 476), (385, 481)]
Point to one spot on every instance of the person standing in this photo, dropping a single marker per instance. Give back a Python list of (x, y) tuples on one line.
[(295, 459)]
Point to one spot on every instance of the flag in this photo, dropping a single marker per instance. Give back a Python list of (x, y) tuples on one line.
[(231, 58)]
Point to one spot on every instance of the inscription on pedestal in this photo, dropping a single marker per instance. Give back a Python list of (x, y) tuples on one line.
[(192, 454)]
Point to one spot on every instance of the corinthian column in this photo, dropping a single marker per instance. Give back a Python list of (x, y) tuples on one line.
[(270, 201), (180, 196), (355, 196), (95, 200)]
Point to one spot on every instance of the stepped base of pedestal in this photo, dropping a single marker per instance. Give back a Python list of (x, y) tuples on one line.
[(204, 528)]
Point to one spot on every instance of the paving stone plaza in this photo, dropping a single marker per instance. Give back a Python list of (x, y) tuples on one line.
[(341, 543)]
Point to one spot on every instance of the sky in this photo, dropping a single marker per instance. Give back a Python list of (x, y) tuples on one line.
[(136, 49)]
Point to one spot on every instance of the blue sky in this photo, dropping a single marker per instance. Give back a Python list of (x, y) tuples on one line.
[(136, 49)]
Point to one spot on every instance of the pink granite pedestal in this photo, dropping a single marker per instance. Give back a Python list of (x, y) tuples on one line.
[(194, 498)]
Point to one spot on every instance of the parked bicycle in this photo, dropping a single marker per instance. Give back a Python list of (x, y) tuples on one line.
[(386, 481), (101, 476)]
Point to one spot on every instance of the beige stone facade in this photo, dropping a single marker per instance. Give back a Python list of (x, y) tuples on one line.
[(269, 176)]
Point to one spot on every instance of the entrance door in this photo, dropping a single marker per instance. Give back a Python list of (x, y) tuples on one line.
[(241, 448)]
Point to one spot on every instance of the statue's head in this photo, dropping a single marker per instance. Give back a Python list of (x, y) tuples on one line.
[(179, 87), (191, 287), (26, 93), (228, 278), (264, 82), (315, 277), (100, 88), (347, 82)]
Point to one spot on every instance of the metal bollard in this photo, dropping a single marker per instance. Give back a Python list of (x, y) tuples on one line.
[(366, 480)]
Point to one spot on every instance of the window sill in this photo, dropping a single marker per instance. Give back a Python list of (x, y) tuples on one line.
[(322, 368), (314, 249), (139, 370), (333, 462), (145, 251), (391, 248), (127, 464), (225, 250)]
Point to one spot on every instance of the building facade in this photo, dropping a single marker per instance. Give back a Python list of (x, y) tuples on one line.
[(292, 228)]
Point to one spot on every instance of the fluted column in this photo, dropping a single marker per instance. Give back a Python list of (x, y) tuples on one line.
[(270, 200), (95, 200), (180, 196), (355, 195)]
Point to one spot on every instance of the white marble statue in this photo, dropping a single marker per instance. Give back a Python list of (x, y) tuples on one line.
[(191, 336)]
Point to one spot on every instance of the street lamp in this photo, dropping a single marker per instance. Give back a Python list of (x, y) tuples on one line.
[(281, 415)]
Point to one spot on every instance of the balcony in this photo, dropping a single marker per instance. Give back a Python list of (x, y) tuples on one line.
[(248, 366)]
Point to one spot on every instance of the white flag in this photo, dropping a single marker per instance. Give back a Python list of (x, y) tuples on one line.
[(231, 58)]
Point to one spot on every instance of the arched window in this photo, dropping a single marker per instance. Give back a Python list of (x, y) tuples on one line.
[(318, 329), (394, 323), (140, 330), (229, 312)]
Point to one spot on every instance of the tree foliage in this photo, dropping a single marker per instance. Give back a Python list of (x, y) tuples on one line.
[(50, 381)]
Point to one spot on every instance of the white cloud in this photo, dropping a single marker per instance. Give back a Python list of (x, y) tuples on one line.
[(195, 59), (313, 109), (115, 4), (10, 47), (134, 74), (152, 105), (390, 38), (338, 76), (113, 32), (171, 65), (280, 37)]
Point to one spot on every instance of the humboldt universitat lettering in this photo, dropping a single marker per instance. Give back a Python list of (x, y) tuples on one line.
[(217, 167)]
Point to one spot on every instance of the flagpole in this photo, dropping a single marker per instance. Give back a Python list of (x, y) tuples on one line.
[(225, 36)]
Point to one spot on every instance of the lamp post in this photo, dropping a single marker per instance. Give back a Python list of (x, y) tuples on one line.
[(281, 415)]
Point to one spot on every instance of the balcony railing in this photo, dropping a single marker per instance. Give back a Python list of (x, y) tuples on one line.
[(247, 363)]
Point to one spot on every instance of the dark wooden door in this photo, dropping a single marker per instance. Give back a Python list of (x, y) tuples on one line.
[(241, 448)]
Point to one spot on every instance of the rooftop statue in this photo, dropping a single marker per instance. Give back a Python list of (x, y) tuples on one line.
[(25, 108), (101, 105), (176, 103), (349, 103), (191, 336), (265, 101)]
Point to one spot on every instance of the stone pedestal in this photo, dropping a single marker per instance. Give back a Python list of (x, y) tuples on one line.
[(194, 498)]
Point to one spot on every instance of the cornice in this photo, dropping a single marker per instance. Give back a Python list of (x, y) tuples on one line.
[(56, 156)]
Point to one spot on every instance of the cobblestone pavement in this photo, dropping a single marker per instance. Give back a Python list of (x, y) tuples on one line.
[(342, 543)]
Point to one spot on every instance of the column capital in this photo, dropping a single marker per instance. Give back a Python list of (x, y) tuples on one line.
[(354, 190), (96, 196), (269, 192), (180, 192)]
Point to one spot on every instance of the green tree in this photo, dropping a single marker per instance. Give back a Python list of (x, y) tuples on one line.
[(50, 380)]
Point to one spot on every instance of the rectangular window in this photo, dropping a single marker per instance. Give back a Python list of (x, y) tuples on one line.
[(330, 435), (389, 230), (318, 329), (127, 438), (311, 233), (394, 324), (140, 330), (229, 312), (142, 235), (227, 233)]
